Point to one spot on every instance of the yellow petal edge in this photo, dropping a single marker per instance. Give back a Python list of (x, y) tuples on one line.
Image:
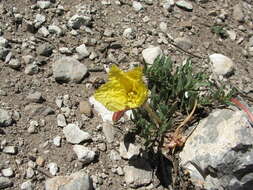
[(124, 90)]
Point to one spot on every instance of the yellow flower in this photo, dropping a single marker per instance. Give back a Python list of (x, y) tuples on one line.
[(124, 90)]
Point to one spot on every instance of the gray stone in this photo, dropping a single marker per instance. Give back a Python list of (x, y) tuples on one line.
[(65, 50), (8, 57), (114, 155), (38, 109), (53, 168), (85, 108), (238, 14), (106, 2), (137, 6), (168, 4), (108, 131), (57, 141), (150, 54), (128, 150), (74, 134), (45, 49), (14, 64), (5, 118), (82, 52), (28, 59), (184, 43), (76, 181), (84, 154), (27, 185), (3, 42), (108, 32), (184, 5), (39, 20), (140, 174), (32, 69), (10, 150), (67, 69), (43, 31), (30, 173), (3, 93), (219, 152), (231, 34), (149, 2), (250, 43), (43, 4), (120, 171), (61, 121), (35, 97), (163, 27), (129, 33), (222, 65), (7, 172), (77, 21), (5, 182), (3, 53), (55, 30)]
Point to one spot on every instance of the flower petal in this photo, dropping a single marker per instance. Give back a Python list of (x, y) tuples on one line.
[(112, 96)]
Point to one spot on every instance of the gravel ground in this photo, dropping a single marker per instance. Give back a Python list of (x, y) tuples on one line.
[(41, 102)]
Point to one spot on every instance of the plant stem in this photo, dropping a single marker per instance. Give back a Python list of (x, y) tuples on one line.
[(152, 114)]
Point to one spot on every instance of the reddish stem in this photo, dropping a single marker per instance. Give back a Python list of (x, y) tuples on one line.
[(117, 115), (244, 108)]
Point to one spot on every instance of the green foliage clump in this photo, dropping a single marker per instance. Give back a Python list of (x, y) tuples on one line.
[(174, 91), (219, 30)]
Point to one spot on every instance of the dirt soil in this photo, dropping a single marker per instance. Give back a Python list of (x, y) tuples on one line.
[(195, 25)]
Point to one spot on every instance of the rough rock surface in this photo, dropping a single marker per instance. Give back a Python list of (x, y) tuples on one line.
[(219, 152)]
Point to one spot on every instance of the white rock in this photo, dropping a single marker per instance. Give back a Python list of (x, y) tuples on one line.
[(108, 131), (27, 185), (129, 33), (43, 4), (39, 20), (65, 50), (61, 121), (29, 173), (163, 27), (222, 65), (139, 174), (150, 54), (128, 150), (84, 154), (31, 69), (7, 172), (114, 155), (55, 30), (231, 34), (168, 4), (57, 141), (3, 42), (137, 6), (43, 31), (77, 21), (14, 64), (53, 168), (184, 4), (75, 135), (76, 181), (59, 102), (10, 150), (105, 114), (5, 118), (82, 52), (68, 69)]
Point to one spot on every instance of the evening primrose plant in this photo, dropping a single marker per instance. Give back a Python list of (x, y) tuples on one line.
[(177, 94)]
